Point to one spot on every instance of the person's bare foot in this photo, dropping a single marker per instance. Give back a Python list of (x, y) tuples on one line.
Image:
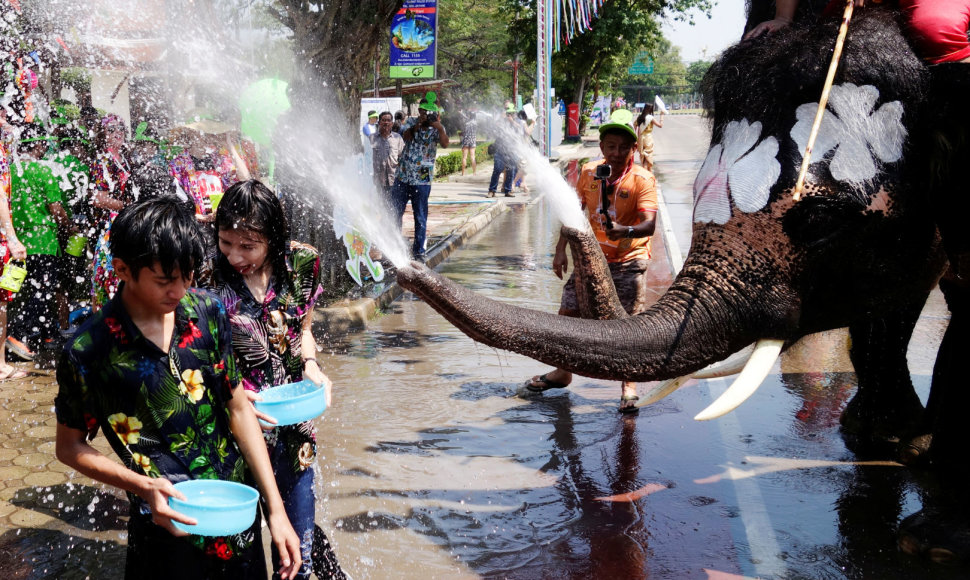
[(555, 379), (628, 398)]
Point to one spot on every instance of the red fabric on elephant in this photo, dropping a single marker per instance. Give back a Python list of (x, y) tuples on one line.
[(938, 28), (634, 195)]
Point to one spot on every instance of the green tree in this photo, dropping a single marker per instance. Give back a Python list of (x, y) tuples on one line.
[(474, 45), (601, 55), (695, 73), (336, 41)]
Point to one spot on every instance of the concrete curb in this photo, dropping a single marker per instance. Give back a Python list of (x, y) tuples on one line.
[(341, 318)]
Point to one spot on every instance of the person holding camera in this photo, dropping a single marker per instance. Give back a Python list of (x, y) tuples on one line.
[(620, 201), (416, 168)]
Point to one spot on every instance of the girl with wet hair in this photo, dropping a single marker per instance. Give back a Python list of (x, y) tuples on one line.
[(111, 193), (269, 285)]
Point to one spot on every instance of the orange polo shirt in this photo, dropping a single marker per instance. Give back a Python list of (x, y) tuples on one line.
[(634, 200)]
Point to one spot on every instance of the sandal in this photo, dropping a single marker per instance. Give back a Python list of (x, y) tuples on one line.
[(11, 373), (546, 384), (631, 407)]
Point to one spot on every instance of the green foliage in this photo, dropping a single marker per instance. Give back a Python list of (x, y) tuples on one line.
[(66, 110), (451, 163), (78, 78), (474, 45), (601, 56), (695, 74)]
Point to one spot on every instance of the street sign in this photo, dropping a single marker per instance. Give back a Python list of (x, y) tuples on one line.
[(642, 64)]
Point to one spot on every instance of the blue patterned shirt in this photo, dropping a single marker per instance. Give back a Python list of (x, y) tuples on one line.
[(416, 166)]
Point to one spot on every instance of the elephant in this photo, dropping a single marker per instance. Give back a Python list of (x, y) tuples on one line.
[(880, 220)]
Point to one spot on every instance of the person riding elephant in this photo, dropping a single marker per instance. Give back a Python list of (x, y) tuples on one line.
[(883, 208)]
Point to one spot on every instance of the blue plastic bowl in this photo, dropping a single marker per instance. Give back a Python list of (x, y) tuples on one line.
[(293, 403), (221, 508)]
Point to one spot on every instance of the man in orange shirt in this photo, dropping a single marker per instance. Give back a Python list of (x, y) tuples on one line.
[(632, 194)]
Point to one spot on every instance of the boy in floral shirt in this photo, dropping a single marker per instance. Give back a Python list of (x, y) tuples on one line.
[(154, 371)]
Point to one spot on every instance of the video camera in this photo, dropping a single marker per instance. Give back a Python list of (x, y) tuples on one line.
[(432, 117), (603, 172)]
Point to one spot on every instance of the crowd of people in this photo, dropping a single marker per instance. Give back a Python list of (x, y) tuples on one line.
[(65, 183), (145, 264)]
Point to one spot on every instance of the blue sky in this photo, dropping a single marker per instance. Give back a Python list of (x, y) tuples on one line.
[(713, 34)]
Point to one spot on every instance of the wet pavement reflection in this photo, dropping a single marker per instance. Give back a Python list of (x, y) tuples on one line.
[(438, 470), (432, 468)]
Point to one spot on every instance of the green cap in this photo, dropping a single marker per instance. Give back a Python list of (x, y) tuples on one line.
[(428, 103), (620, 119), (510, 110), (373, 114)]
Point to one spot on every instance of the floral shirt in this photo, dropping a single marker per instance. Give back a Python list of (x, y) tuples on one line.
[(267, 337), (417, 161), (110, 175), (4, 172), (199, 183), (165, 414)]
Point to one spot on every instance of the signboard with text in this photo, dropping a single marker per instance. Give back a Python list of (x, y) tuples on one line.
[(642, 64), (414, 40)]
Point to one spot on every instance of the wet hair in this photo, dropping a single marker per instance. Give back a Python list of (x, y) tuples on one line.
[(31, 136), (101, 132), (399, 116), (381, 116), (157, 230), (251, 206)]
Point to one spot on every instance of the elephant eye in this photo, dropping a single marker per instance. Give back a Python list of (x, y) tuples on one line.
[(816, 219)]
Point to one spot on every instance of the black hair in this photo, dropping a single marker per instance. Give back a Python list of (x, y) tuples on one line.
[(71, 134), (31, 135), (159, 230), (388, 113), (251, 206), (371, 112), (399, 116)]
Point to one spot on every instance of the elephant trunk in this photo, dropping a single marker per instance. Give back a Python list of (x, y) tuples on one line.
[(689, 328), (595, 291)]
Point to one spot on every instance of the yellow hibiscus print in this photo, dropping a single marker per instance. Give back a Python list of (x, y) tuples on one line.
[(191, 385), (306, 455), (126, 427), (142, 461)]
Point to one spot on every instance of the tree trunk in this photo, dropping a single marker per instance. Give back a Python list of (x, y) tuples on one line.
[(578, 97)]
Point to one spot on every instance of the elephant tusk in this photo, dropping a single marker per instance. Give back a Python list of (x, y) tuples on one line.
[(759, 365), (662, 390), (729, 366), (732, 365)]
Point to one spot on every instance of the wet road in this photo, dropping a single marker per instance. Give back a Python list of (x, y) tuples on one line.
[(432, 468)]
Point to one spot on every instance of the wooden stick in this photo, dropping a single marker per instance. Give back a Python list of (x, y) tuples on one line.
[(833, 66)]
